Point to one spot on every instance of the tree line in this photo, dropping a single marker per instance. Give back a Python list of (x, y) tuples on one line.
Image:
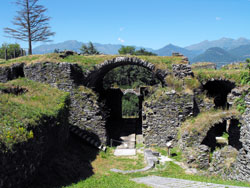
[(9, 51)]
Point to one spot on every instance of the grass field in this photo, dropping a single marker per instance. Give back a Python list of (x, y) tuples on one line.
[(21, 112), (88, 62), (104, 178)]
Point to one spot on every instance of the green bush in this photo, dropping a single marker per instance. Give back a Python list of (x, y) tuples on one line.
[(130, 105)]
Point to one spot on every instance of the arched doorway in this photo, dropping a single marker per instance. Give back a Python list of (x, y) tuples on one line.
[(120, 84)]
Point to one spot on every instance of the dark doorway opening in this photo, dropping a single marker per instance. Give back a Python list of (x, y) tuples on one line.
[(219, 89), (228, 130), (122, 88)]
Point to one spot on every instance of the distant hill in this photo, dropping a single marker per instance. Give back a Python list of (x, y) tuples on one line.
[(241, 52), (169, 49), (75, 46), (215, 55), (49, 48), (224, 50), (224, 43), (109, 48)]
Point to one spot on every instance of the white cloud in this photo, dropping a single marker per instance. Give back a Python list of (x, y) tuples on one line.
[(121, 40), (218, 18), (122, 28)]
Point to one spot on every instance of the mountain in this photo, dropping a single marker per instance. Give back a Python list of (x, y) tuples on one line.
[(169, 49), (241, 52), (224, 43), (48, 48), (222, 50), (75, 46), (215, 55)]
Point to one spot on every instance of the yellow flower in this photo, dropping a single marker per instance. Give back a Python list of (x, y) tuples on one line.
[(31, 134)]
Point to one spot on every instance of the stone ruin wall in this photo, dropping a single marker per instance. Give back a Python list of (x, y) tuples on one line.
[(84, 111), (161, 118), (242, 164)]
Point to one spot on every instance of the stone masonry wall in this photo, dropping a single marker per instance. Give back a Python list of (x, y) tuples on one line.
[(85, 111), (65, 76), (162, 117), (88, 114), (182, 70), (11, 72), (242, 165)]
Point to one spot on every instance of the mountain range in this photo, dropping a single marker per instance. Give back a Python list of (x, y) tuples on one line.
[(224, 50)]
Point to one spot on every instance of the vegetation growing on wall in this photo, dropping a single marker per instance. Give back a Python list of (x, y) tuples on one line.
[(186, 85), (20, 113), (201, 123), (203, 75), (240, 103), (88, 62)]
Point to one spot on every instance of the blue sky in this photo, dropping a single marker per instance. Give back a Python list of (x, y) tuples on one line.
[(148, 23)]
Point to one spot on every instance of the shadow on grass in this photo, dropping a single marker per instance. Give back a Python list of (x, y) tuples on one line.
[(66, 167)]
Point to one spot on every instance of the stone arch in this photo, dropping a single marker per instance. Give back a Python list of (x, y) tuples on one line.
[(229, 125), (95, 77)]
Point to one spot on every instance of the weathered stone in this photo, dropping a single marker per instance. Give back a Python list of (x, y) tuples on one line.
[(163, 116), (182, 70)]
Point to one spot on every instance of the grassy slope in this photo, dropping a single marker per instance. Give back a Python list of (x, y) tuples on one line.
[(88, 62), (204, 75), (104, 178), (21, 112), (205, 120)]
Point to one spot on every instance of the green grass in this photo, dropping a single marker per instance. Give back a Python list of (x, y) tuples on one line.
[(174, 171), (202, 123), (104, 178), (21, 113), (175, 153), (113, 180), (88, 62), (204, 75), (234, 66)]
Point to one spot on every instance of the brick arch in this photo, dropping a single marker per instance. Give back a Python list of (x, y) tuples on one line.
[(95, 77)]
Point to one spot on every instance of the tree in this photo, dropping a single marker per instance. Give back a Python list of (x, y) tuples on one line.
[(13, 51), (131, 51), (89, 49), (32, 23), (56, 50), (127, 50), (143, 51)]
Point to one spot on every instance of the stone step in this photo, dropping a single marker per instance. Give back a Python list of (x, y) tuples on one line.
[(87, 137), (124, 152)]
